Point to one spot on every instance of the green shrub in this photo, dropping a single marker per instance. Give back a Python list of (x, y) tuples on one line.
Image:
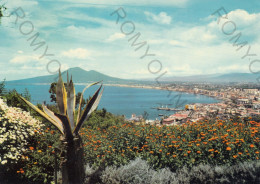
[(17, 128), (216, 143), (27, 147), (102, 119), (11, 98), (43, 152), (139, 171)]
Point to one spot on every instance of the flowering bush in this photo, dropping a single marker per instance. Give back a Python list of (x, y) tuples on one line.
[(43, 157), (16, 127), (27, 147), (216, 142)]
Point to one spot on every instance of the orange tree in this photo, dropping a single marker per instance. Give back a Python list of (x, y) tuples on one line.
[(208, 142)]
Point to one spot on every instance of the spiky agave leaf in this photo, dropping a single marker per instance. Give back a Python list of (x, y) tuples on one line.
[(67, 78), (66, 124), (41, 113), (61, 95), (71, 102), (95, 105), (52, 116), (90, 107), (81, 98)]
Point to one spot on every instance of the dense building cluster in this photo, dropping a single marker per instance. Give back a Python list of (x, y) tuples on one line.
[(242, 100), (234, 102)]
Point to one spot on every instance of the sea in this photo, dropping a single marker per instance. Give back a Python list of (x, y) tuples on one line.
[(125, 100)]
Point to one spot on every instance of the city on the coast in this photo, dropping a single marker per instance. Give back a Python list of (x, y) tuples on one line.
[(234, 101)]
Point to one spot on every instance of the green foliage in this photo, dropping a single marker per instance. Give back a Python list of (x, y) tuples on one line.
[(43, 154), (17, 129), (37, 162), (2, 88), (102, 119), (40, 159), (26, 94), (13, 100), (84, 101), (2, 9), (52, 91), (216, 143), (139, 171)]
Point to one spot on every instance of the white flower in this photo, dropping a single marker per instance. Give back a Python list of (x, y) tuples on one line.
[(4, 162), (15, 127)]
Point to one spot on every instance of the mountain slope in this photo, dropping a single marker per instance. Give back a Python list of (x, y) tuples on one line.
[(218, 78), (79, 76), (82, 76)]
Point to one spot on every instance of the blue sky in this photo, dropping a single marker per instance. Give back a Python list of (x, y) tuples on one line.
[(183, 35)]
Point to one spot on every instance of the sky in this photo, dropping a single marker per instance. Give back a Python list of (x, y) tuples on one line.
[(132, 39)]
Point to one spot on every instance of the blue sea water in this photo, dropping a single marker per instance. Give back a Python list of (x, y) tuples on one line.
[(123, 100)]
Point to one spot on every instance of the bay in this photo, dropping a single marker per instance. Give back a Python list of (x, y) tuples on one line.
[(124, 100)]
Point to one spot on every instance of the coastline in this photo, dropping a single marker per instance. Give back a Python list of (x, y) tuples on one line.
[(126, 86), (162, 88)]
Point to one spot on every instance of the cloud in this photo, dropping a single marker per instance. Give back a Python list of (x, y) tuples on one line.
[(115, 36), (78, 34), (233, 68), (176, 43), (161, 18), (240, 20), (184, 47), (238, 16), (177, 3), (243, 17), (78, 53), (23, 59), (21, 3), (198, 34), (156, 41)]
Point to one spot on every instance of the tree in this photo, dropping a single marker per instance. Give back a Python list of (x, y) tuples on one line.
[(27, 95), (12, 99), (2, 87), (2, 9), (72, 165), (78, 97), (52, 91)]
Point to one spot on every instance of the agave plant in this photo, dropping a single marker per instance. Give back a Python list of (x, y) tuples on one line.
[(72, 160)]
